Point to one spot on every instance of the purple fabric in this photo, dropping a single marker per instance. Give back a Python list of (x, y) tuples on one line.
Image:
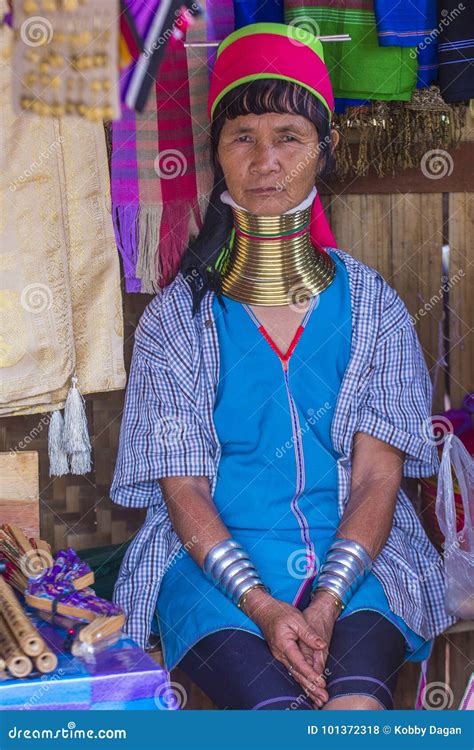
[(123, 676), (57, 584), (287, 698), (143, 12)]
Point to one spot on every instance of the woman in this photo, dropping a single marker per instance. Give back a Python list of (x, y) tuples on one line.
[(276, 396)]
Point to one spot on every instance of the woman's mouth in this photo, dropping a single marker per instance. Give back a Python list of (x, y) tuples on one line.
[(263, 191)]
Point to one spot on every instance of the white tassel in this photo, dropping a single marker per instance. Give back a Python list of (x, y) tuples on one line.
[(76, 436), (80, 462), (58, 463)]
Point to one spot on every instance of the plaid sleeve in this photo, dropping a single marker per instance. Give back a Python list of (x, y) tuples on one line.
[(396, 407), (160, 434)]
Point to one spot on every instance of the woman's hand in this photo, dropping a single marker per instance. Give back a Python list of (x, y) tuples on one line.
[(286, 629), (321, 615)]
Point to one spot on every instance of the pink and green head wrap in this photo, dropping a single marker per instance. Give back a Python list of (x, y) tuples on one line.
[(270, 50), (275, 50)]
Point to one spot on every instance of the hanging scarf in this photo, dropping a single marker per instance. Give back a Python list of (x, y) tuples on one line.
[(402, 23), (410, 23), (456, 50), (61, 304), (273, 50), (161, 174), (361, 68), (167, 26)]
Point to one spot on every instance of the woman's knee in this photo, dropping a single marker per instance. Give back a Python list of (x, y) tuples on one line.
[(356, 702)]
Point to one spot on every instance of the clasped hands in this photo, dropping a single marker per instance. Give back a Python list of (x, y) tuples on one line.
[(298, 639)]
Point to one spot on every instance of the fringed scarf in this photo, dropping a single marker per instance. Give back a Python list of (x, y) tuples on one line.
[(161, 170)]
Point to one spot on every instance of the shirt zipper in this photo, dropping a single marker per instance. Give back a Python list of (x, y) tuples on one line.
[(297, 512)]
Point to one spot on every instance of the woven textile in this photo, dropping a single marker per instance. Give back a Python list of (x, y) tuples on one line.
[(161, 170), (61, 299), (361, 68), (456, 50)]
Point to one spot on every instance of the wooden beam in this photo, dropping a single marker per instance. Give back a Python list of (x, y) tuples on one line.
[(413, 180)]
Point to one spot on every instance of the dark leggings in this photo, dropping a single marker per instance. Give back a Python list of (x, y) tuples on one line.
[(236, 668)]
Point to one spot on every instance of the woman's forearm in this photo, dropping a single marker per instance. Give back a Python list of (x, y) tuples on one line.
[(193, 514), (199, 526), (375, 481), (368, 515)]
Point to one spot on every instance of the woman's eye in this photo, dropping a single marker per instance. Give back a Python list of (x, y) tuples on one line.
[(240, 138)]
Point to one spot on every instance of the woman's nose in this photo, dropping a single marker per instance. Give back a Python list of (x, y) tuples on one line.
[(264, 158)]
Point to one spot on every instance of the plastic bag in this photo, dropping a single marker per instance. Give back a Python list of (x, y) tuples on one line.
[(458, 546)]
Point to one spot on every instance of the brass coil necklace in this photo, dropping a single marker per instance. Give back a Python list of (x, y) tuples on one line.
[(271, 259)]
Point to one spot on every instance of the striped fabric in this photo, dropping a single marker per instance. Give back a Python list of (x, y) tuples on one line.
[(404, 23), (411, 23), (161, 175), (360, 68), (168, 430), (456, 51)]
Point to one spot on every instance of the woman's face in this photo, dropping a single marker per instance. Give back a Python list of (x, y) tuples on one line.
[(279, 151)]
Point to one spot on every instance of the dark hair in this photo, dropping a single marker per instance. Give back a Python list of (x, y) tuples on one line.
[(257, 97)]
